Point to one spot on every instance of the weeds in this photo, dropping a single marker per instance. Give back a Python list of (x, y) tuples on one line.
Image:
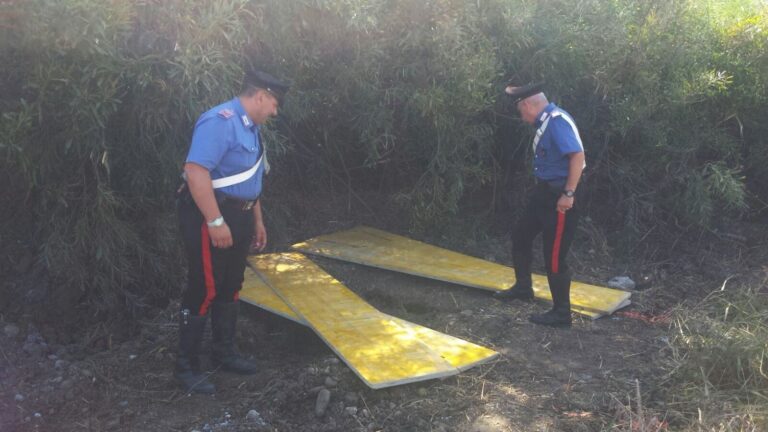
[(718, 369)]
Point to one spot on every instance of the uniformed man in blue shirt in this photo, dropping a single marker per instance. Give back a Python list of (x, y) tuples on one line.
[(220, 219), (558, 161)]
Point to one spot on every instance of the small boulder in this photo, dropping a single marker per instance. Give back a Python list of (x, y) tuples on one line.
[(253, 416), (321, 404), (622, 283)]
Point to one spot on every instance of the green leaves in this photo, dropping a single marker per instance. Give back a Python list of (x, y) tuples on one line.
[(400, 98), (111, 91)]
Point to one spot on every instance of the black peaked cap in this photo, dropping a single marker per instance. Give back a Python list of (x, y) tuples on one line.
[(528, 90), (267, 82)]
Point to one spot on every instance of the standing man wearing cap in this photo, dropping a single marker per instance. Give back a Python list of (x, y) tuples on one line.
[(220, 221), (558, 161)]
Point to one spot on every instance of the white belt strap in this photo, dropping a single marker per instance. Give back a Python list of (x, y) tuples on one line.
[(542, 128), (237, 178)]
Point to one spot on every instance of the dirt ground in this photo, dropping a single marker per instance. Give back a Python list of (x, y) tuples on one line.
[(545, 379)]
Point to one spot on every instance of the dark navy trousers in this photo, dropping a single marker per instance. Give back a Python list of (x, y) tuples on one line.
[(214, 274), (557, 229)]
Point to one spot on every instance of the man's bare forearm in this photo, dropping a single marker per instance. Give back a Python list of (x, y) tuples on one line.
[(575, 168), (257, 218), (201, 188)]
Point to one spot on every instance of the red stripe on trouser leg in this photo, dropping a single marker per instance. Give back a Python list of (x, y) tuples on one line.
[(210, 284), (237, 295), (558, 239)]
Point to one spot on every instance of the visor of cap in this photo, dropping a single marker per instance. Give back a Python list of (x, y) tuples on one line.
[(267, 82)]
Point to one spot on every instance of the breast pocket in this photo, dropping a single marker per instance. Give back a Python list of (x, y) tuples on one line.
[(249, 145), (245, 152)]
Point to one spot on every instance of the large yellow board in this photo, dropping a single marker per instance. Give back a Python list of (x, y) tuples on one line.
[(257, 293), (372, 247), (382, 350), (459, 353)]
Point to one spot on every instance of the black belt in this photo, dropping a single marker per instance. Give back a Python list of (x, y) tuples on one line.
[(558, 184), (238, 204), (184, 194)]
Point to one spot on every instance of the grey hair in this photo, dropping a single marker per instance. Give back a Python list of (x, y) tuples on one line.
[(538, 99)]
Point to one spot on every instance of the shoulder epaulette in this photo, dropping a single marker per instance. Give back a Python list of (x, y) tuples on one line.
[(226, 113)]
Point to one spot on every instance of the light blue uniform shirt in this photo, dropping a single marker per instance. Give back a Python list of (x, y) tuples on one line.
[(226, 142), (560, 138)]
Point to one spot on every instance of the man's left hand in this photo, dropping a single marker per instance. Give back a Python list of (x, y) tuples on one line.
[(564, 203), (259, 241)]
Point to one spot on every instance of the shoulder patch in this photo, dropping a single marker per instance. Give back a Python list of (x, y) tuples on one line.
[(226, 113)]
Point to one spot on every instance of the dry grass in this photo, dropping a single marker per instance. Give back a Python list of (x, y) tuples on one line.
[(718, 379), (632, 416)]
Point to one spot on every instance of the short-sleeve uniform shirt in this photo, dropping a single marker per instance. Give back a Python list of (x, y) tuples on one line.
[(226, 142), (560, 138)]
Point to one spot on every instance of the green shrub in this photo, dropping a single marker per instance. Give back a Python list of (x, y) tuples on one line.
[(96, 135), (400, 99)]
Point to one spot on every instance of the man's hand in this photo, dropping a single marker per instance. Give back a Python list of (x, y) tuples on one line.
[(259, 241), (221, 237), (564, 203)]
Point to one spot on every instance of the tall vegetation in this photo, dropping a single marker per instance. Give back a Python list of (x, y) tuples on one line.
[(98, 102), (398, 97)]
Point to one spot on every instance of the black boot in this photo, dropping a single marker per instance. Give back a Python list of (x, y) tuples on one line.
[(187, 361), (523, 287), (560, 315), (519, 291), (225, 355)]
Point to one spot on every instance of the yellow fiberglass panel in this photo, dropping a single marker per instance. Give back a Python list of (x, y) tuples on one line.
[(589, 300), (259, 294), (369, 246), (457, 352), (380, 350), (373, 247)]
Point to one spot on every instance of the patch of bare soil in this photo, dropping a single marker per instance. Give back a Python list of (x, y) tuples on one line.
[(545, 380)]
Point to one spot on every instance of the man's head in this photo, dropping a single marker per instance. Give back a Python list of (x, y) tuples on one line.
[(261, 96), (529, 99)]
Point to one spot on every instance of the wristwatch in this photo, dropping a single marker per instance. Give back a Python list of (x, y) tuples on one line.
[(568, 193), (219, 221)]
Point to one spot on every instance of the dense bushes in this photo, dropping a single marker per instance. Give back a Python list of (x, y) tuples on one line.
[(398, 97), (98, 103)]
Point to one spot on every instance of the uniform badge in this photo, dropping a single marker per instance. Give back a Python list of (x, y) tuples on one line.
[(246, 120), (226, 113)]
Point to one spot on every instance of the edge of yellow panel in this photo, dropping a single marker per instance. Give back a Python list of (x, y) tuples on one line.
[(261, 290), (307, 247), (375, 386), (463, 368), (298, 247), (249, 295)]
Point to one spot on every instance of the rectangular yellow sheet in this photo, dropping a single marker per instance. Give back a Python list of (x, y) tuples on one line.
[(257, 293), (382, 350), (376, 248)]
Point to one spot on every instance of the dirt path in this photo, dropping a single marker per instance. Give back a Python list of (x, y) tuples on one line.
[(545, 380)]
